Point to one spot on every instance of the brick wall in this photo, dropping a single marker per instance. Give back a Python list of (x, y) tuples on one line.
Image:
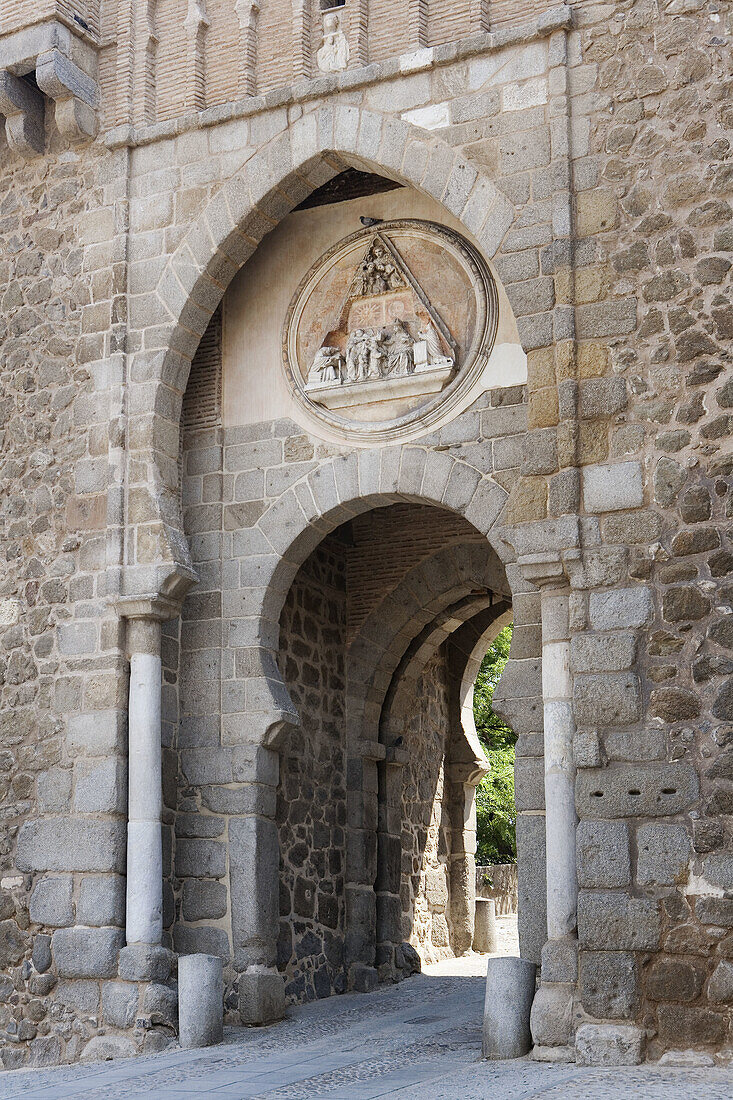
[(387, 542)]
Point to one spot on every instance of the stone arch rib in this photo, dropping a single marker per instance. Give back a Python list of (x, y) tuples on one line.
[(297, 522)]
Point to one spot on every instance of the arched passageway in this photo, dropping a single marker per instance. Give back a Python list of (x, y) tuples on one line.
[(374, 813), (331, 581)]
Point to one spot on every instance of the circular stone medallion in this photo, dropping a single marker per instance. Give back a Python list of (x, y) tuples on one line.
[(390, 329)]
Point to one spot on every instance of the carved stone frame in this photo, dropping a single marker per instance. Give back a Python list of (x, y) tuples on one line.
[(425, 415)]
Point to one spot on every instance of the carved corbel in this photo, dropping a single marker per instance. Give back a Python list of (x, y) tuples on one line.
[(75, 94), (23, 108), (247, 13)]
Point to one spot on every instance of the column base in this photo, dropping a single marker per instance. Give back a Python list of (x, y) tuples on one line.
[(551, 1020), (261, 996), (553, 1054), (145, 962), (609, 1045)]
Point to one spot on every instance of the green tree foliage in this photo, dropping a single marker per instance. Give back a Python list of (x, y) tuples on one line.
[(496, 813)]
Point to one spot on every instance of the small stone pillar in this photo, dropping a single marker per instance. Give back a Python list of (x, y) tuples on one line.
[(200, 1000), (462, 779), (560, 817), (485, 937), (552, 1011), (510, 987), (144, 920)]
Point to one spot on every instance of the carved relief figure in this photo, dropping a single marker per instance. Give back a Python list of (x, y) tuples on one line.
[(401, 353), (378, 274), (327, 366), (386, 329), (378, 361), (357, 356), (333, 55), (435, 352)]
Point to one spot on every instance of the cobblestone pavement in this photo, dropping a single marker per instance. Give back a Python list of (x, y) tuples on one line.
[(420, 1040)]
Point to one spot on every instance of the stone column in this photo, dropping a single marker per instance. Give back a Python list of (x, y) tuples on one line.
[(144, 919), (461, 792), (560, 816), (552, 1011)]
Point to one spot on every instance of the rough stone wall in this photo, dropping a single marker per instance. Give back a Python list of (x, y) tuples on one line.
[(657, 213), (426, 827), (61, 677), (311, 809), (638, 100)]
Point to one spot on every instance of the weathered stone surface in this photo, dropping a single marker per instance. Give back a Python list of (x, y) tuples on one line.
[(680, 1024), (670, 979), (684, 602), (635, 790), (607, 699), (669, 477), (613, 487), (101, 1048), (602, 652), (603, 854), (12, 943), (119, 1003), (720, 986), (101, 900), (664, 853), (624, 607), (608, 984), (86, 952), (65, 844), (141, 962), (51, 902), (204, 899), (674, 704), (608, 1045), (609, 921)]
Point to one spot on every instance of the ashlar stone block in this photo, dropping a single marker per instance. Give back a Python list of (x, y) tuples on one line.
[(615, 921), (611, 488), (51, 903), (608, 983), (603, 854), (87, 952), (635, 790), (664, 853)]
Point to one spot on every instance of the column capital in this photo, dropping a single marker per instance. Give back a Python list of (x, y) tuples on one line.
[(151, 608), (546, 569)]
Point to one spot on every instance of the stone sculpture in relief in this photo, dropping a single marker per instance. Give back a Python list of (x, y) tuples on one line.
[(333, 56), (384, 323), (388, 325)]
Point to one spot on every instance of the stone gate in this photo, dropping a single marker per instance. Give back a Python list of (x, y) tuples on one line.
[(334, 339)]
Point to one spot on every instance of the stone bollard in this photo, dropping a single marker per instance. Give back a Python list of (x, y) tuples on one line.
[(485, 936), (510, 988), (200, 1000)]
